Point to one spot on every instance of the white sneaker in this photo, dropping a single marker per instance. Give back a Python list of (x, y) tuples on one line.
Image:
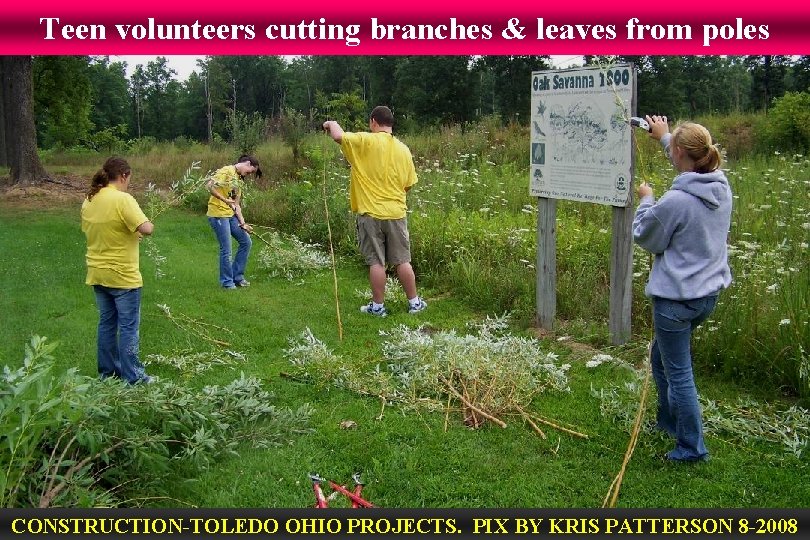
[(421, 306), (369, 308)]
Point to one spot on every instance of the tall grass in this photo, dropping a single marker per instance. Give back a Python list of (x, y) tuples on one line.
[(473, 224), (762, 325)]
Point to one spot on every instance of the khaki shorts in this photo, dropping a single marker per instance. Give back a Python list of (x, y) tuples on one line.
[(383, 241)]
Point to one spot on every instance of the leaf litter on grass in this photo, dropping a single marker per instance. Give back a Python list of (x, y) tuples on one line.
[(744, 421)]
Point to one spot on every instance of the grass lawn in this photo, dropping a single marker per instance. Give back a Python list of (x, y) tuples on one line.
[(408, 459)]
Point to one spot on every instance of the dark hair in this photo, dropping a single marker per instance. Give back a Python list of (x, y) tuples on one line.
[(253, 161), (383, 116), (113, 168)]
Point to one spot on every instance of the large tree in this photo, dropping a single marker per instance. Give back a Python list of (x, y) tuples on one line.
[(435, 90), (62, 100), (801, 74), (768, 78), (218, 92), (508, 80), (16, 74), (161, 94), (110, 97)]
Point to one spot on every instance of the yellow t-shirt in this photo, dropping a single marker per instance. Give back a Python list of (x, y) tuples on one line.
[(382, 171), (226, 179), (110, 221)]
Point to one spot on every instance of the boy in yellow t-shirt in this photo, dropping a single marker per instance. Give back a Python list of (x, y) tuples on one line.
[(382, 174), (113, 223)]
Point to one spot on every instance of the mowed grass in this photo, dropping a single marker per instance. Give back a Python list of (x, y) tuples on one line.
[(408, 459)]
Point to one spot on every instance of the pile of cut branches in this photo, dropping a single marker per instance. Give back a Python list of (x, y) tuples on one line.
[(285, 255), (487, 376)]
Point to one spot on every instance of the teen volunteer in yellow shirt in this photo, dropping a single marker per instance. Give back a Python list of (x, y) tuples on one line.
[(225, 218), (382, 173), (113, 223)]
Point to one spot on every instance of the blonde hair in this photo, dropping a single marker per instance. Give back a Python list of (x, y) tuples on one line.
[(696, 141)]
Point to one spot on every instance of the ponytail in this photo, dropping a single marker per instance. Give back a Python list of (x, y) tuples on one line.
[(112, 169), (709, 162), (99, 181), (696, 141)]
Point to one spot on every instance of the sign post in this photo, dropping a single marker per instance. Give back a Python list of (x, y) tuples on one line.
[(581, 150)]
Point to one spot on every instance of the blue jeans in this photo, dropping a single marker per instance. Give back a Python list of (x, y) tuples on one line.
[(678, 408), (119, 319), (231, 272)]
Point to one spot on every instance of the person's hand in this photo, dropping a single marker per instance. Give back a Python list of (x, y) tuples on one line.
[(246, 227), (327, 126), (658, 126), (644, 190)]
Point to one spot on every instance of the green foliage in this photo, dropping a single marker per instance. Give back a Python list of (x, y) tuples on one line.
[(349, 109), (512, 73), (761, 323), (157, 97), (193, 363), (739, 135), (76, 441), (472, 231), (109, 140), (62, 100), (293, 129), (34, 401), (298, 207), (246, 131), (110, 100), (76, 95), (437, 90), (143, 145), (788, 127), (181, 142)]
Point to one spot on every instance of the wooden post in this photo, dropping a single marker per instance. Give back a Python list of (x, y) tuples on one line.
[(546, 295), (621, 252), (621, 275)]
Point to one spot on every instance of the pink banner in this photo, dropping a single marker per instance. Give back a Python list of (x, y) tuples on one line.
[(416, 27)]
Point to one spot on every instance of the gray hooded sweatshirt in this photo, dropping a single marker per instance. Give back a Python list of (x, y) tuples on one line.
[(686, 230)]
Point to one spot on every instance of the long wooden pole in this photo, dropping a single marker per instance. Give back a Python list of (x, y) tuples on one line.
[(331, 246)]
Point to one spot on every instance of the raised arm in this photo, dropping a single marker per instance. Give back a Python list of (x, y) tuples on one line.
[(333, 129)]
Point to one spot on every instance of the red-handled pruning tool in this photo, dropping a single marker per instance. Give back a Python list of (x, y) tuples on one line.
[(353, 496)]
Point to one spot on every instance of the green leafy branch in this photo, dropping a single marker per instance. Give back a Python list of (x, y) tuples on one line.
[(71, 440)]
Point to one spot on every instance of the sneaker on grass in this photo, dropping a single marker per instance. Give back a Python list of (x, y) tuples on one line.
[(369, 308), (416, 308)]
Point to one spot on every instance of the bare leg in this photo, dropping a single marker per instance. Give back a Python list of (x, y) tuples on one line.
[(408, 279), (376, 277)]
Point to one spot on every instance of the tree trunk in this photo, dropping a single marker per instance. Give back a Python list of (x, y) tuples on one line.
[(18, 109), (208, 113), (3, 153)]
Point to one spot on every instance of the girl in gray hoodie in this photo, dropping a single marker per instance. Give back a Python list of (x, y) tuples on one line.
[(686, 230)]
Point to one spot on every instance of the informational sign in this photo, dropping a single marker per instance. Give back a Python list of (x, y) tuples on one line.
[(580, 134)]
